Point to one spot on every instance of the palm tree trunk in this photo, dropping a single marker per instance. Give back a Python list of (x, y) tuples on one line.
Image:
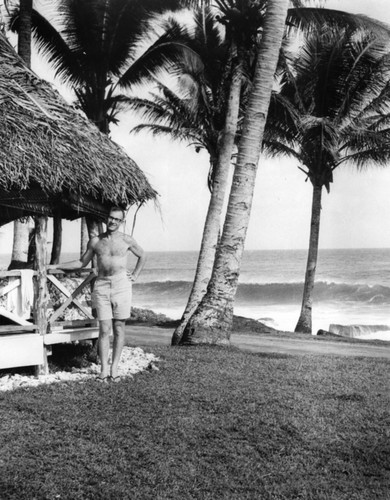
[(212, 224), (94, 229), (212, 321), (24, 37), (19, 245), (84, 236), (21, 229), (32, 247), (304, 324)]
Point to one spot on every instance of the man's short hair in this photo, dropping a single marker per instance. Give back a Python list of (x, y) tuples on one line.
[(119, 209)]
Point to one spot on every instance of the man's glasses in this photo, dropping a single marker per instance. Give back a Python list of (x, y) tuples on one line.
[(114, 219)]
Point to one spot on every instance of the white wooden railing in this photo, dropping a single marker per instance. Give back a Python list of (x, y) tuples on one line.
[(51, 320)]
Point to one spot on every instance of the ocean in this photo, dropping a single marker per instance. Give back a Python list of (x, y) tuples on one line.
[(352, 287)]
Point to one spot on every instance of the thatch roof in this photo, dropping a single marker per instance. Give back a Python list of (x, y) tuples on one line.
[(52, 157)]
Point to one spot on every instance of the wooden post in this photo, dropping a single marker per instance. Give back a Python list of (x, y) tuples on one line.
[(41, 296), (93, 231), (84, 236), (57, 239)]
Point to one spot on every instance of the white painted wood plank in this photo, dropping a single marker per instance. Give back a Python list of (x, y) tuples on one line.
[(9, 287), (71, 335), (21, 350), (14, 317)]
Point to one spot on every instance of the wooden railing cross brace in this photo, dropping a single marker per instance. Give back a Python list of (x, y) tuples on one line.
[(71, 299), (9, 287), (67, 294)]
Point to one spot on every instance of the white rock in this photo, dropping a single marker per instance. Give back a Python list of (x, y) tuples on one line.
[(133, 360)]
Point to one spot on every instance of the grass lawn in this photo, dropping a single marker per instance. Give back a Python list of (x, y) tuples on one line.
[(212, 424)]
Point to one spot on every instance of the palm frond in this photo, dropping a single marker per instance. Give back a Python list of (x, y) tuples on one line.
[(181, 135), (53, 47), (168, 49), (277, 149), (364, 138), (367, 79), (368, 157), (170, 112), (333, 104), (375, 107), (310, 19), (377, 122), (108, 31)]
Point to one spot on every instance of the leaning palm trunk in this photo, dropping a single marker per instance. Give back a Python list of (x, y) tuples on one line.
[(212, 224), (213, 319), (21, 229), (304, 324), (19, 245)]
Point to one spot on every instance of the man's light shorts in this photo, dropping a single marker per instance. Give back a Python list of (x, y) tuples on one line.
[(112, 297)]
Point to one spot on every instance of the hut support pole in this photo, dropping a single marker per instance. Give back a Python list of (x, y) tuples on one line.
[(57, 239), (94, 230), (41, 296), (84, 236)]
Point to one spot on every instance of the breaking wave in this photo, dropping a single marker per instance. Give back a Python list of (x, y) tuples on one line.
[(361, 331), (276, 293)]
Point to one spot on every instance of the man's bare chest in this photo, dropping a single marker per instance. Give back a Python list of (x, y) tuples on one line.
[(111, 248)]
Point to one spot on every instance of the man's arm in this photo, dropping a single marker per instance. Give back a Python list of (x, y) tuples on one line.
[(76, 264), (138, 252)]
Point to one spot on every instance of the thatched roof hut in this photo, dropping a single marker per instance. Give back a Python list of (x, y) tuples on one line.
[(51, 157)]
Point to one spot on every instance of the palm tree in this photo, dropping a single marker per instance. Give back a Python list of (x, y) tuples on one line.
[(332, 108), (94, 47), (193, 107), (211, 122), (200, 119), (207, 116), (212, 321), (242, 21)]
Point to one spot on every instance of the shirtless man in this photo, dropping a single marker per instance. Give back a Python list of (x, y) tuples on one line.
[(112, 290)]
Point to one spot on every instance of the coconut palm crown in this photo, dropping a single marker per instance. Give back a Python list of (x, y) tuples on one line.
[(193, 108), (98, 47), (332, 108)]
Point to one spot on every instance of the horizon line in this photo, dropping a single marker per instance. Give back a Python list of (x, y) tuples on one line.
[(249, 250)]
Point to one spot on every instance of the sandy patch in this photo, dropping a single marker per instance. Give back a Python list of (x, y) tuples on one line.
[(133, 360)]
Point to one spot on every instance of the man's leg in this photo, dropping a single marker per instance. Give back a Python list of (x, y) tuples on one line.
[(119, 340), (104, 346)]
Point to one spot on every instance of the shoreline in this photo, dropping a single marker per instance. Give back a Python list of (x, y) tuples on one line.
[(244, 326)]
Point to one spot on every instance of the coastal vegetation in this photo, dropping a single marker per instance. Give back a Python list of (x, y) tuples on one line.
[(204, 112), (332, 109), (193, 120), (212, 321)]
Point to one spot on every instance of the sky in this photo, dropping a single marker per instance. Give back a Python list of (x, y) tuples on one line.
[(355, 214)]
